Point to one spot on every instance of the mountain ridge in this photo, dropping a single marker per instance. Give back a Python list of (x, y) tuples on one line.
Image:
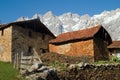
[(68, 22)]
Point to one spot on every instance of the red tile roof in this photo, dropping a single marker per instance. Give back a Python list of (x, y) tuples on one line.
[(115, 44), (75, 35)]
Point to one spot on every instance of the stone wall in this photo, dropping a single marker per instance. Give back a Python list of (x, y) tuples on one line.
[(5, 44), (24, 40), (74, 48), (91, 72)]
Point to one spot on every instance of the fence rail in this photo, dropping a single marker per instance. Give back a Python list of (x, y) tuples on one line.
[(22, 62)]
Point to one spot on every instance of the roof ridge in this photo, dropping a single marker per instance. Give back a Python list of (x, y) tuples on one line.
[(98, 26), (80, 34)]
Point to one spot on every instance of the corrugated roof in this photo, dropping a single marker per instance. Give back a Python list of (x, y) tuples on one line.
[(115, 44), (75, 35)]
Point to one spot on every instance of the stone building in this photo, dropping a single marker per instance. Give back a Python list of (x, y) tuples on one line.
[(91, 42), (22, 37), (114, 48)]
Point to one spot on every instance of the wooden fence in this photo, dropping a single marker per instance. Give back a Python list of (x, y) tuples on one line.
[(16, 60), (22, 62)]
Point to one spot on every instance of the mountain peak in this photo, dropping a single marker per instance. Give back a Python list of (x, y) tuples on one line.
[(39, 16), (48, 14)]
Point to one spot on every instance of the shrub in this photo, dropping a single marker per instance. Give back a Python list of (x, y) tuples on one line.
[(115, 59)]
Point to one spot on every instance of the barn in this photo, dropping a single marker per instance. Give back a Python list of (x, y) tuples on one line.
[(87, 42), (114, 49), (22, 37)]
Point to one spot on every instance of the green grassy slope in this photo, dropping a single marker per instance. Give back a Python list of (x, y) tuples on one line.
[(7, 72)]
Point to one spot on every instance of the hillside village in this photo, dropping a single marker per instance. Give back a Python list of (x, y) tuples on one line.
[(23, 36), (31, 37)]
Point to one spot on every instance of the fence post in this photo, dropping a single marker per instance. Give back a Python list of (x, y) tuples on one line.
[(14, 60), (17, 60), (36, 54), (21, 56)]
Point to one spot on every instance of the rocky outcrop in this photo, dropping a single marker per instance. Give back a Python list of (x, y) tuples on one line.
[(40, 73)]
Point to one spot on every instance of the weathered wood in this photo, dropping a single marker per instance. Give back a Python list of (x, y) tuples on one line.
[(27, 57), (14, 62), (17, 61), (26, 62), (36, 55)]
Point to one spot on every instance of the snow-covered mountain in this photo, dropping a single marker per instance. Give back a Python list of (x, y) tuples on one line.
[(71, 22)]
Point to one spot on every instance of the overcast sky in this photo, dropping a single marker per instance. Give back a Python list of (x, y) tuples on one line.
[(10, 10)]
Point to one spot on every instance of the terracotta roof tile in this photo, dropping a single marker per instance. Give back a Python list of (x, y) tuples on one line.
[(115, 44), (80, 34)]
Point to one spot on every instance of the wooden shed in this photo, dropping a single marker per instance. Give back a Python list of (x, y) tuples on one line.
[(114, 48), (22, 37), (91, 42)]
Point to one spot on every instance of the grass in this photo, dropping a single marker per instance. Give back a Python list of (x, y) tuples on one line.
[(113, 60), (7, 72), (58, 65)]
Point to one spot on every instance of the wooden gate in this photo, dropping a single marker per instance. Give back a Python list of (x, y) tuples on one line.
[(22, 62)]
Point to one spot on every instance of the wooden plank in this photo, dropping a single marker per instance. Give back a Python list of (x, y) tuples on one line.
[(14, 61), (26, 62), (19, 60), (35, 57), (36, 54), (17, 64), (27, 57)]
